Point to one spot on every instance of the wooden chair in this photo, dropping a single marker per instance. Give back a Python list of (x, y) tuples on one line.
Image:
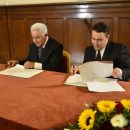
[(129, 80), (66, 61)]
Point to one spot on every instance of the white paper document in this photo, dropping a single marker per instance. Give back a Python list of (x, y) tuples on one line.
[(75, 80), (97, 85), (104, 86), (95, 69), (20, 71), (93, 75)]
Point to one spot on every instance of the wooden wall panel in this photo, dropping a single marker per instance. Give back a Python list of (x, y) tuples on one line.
[(124, 31), (4, 43), (79, 37), (56, 29), (70, 24), (18, 38)]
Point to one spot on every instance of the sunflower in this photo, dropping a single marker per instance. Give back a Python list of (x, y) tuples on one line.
[(106, 106), (86, 119), (126, 103)]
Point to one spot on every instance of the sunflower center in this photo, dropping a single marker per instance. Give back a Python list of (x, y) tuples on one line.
[(106, 105), (87, 121)]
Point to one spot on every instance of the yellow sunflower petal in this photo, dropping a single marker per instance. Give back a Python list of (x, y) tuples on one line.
[(106, 106), (86, 119), (126, 103)]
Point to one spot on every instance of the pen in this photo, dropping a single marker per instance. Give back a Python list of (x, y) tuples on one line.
[(7, 66), (73, 69)]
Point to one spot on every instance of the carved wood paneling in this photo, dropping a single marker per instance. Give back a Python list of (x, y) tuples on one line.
[(18, 38), (70, 24), (79, 38), (4, 42), (56, 28), (124, 31)]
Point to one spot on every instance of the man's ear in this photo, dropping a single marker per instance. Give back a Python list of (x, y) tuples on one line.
[(108, 36)]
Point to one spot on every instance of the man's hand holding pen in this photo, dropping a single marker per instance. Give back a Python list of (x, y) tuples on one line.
[(11, 63), (74, 69)]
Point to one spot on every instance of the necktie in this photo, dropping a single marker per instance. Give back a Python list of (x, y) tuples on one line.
[(40, 50), (98, 57)]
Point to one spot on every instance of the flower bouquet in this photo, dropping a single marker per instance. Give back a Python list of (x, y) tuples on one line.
[(105, 115)]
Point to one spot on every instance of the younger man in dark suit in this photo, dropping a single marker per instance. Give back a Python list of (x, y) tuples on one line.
[(44, 53), (104, 49)]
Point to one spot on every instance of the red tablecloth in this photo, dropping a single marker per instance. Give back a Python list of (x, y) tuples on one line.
[(42, 102)]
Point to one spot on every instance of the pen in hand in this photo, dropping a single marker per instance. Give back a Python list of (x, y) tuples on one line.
[(10, 63), (7, 66), (73, 69)]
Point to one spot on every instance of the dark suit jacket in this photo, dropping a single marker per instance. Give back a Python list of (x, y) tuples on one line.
[(118, 53), (51, 58)]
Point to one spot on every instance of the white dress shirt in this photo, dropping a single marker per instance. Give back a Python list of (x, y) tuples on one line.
[(39, 65)]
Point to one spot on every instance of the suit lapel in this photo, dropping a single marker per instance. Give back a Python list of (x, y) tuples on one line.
[(93, 54), (35, 53), (107, 52), (46, 50)]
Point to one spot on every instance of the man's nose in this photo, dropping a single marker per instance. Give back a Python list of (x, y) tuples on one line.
[(35, 40), (96, 42)]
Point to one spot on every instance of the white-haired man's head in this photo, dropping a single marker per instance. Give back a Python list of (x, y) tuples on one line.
[(41, 27), (39, 34)]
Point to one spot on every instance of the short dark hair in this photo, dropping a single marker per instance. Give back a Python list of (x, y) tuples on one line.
[(101, 27)]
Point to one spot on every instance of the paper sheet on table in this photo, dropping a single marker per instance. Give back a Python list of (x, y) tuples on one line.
[(95, 69), (20, 71), (104, 86), (75, 80)]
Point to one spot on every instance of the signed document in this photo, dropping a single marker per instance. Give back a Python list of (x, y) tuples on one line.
[(104, 86), (95, 69), (20, 71)]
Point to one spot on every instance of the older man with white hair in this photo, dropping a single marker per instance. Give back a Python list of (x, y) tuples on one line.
[(44, 53)]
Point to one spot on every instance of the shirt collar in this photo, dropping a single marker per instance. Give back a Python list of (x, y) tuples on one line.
[(101, 52), (45, 42)]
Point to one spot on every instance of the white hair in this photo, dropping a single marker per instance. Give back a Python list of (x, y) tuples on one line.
[(39, 27)]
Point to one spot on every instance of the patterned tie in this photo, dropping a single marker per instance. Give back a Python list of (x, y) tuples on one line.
[(40, 50), (98, 57)]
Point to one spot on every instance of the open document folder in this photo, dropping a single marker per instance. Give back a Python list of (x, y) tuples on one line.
[(20, 71), (92, 75)]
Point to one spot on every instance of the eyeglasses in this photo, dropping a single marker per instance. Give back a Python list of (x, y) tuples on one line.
[(36, 38), (97, 40)]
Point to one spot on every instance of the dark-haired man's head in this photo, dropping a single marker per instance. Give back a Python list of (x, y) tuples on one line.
[(101, 27), (100, 35)]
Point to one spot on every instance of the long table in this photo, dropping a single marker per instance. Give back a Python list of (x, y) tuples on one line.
[(43, 102)]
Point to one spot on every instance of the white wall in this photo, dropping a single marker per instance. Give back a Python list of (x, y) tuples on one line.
[(26, 2), (19, 2), (2, 2)]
